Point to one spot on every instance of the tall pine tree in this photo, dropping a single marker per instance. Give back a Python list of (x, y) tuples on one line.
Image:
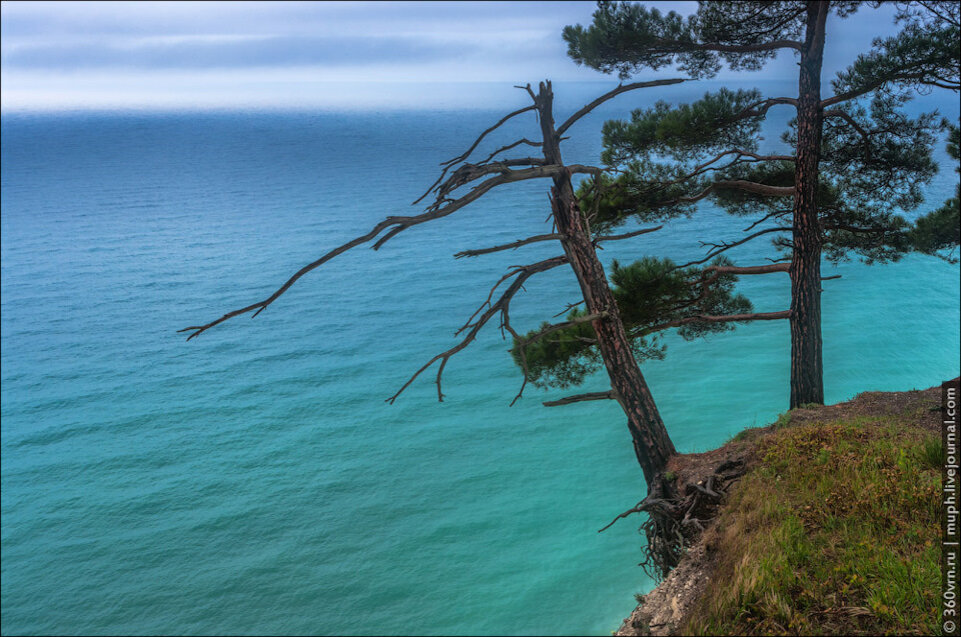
[(857, 156)]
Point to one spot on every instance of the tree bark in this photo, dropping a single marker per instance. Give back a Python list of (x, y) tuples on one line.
[(652, 445), (807, 378)]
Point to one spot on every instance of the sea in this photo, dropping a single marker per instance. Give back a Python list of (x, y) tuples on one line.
[(254, 480)]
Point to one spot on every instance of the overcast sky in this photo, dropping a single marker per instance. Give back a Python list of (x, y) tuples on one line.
[(306, 54)]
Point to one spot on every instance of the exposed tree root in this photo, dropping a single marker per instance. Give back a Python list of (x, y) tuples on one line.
[(679, 506)]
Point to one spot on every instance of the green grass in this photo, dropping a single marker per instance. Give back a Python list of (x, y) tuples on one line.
[(783, 420), (835, 531)]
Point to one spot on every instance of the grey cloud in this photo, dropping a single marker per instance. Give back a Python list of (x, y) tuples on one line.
[(269, 51), (39, 19)]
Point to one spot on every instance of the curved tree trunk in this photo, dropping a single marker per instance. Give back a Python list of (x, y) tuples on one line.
[(807, 381), (652, 445)]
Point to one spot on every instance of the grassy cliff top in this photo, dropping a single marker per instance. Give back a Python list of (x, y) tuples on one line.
[(833, 530)]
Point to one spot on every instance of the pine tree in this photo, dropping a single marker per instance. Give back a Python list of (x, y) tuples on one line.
[(938, 233), (857, 157), (653, 295), (578, 240)]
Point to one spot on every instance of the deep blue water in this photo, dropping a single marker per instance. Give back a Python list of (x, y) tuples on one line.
[(254, 480)]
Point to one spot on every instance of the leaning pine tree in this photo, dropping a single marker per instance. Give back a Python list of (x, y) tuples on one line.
[(578, 241), (855, 157)]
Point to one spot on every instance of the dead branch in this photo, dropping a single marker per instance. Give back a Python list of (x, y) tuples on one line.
[(777, 213), (570, 306), (719, 248), (754, 269), (397, 224), (450, 162), (738, 153), (707, 318), (761, 108), (621, 88), (515, 270), (510, 146), (527, 87), (509, 246), (500, 306), (626, 235), (578, 398), (467, 173), (490, 130)]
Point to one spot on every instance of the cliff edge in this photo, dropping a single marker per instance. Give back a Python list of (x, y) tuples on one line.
[(832, 528)]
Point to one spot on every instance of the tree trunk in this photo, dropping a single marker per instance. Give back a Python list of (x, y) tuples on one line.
[(652, 445), (807, 381)]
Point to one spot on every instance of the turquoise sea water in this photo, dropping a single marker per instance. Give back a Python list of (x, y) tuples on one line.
[(253, 480)]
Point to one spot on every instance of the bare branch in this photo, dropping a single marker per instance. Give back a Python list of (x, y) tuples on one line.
[(510, 146), (447, 164), (754, 269), (501, 305), (570, 306), (510, 246), (487, 301), (467, 173), (626, 235), (738, 152), (262, 305), (578, 398), (756, 188), (447, 206), (719, 248), (477, 141), (397, 225), (621, 88), (919, 76), (776, 213), (748, 48), (707, 318), (527, 87), (759, 109)]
